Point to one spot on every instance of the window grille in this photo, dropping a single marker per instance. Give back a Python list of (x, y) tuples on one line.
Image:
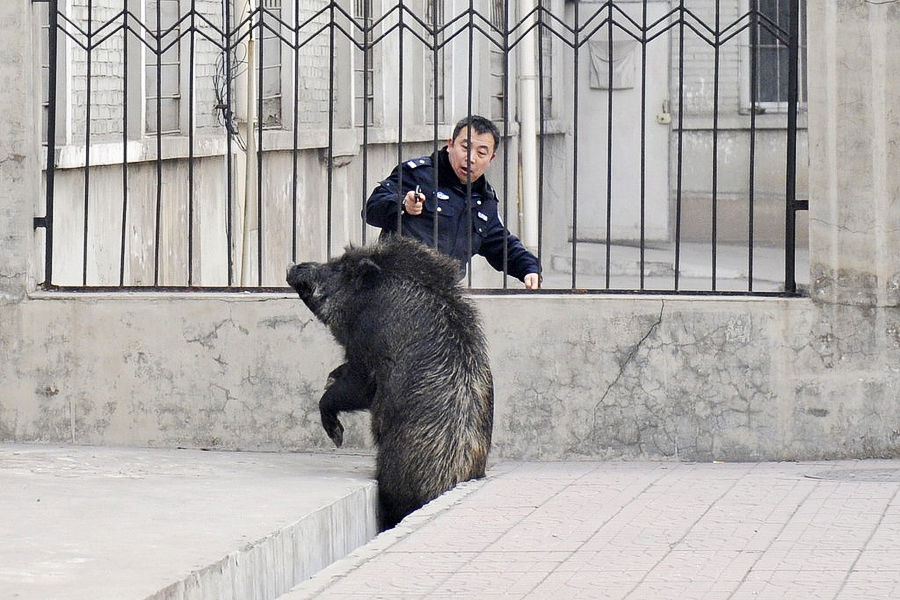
[(163, 68)]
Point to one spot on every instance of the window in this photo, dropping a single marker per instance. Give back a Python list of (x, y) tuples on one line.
[(771, 56), (546, 74), (363, 66), (44, 19), (434, 17), (497, 62), (163, 68), (270, 86)]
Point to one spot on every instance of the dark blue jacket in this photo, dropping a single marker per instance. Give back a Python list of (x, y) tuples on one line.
[(446, 214)]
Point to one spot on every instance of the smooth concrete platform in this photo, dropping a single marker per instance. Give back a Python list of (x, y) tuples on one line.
[(641, 531), (128, 524)]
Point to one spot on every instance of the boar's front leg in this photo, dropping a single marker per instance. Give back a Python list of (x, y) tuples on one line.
[(348, 388)]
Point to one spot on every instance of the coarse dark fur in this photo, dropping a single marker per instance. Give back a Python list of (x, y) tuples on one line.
[(415, 357)]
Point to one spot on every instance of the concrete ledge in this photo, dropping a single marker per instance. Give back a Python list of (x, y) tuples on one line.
[(406, 528), (95, 523)]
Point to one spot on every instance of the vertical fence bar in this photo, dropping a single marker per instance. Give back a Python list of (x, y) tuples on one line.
[(715, 148), (506, 138), (193, 42), (575, 154), (609, 141), (229, 199), (643, 138), (52, 44), (540, 174), (87, 144), (330, 162), (400, 194), (296, 120), (158, 144), (790, 284), (754, 42), (261, 13), (680, 142), (469, 141), (124, 142), (434, 94), (367, 18)]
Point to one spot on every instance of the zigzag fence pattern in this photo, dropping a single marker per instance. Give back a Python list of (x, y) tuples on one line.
[(313, 83)]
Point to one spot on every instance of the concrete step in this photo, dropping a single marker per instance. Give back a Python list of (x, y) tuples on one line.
[(113, 523)]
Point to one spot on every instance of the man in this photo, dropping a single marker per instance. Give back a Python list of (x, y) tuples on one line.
[(462, 225)]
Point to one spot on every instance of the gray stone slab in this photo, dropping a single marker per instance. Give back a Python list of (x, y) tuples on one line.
[(95, 523), (639, 531)]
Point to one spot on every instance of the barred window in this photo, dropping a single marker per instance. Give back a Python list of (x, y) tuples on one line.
[(363, 66), (163, 68), (497, 62), (772, 55), (546, 72), (434, 17), (270, 84)]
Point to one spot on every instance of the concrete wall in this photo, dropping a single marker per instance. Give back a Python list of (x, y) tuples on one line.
[(700, 378)]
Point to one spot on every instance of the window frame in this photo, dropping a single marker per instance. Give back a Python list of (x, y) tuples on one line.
[(746, 48)]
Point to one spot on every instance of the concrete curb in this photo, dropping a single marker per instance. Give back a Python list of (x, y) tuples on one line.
[(409, 525), (268, 567)]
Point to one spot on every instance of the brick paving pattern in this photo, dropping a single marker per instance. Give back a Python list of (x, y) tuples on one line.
[(641, 530)]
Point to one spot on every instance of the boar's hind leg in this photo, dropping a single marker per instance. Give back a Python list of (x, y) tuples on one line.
[(348, 389)]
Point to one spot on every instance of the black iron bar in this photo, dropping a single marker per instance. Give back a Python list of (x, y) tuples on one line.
[(87, 146), (469, 224), (680, 143), (643, 140), (754, 48), (435, 22), (575, 49), (260, 85), (790, 284), (367, 57), (330, 160), (400, 195), (52, 43), (124, 146), (190, 254), (296, 119), (505, 33), (715, 148), (158, 54), (609, 142), (540, 173), (228, 147)]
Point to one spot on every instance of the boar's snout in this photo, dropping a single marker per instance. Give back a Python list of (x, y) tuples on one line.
[(302, 277)]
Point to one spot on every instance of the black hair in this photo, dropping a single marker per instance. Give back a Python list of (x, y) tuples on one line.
[(478, 124)]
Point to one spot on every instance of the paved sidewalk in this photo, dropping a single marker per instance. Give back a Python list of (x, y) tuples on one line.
[(652, 531), (128, 524)]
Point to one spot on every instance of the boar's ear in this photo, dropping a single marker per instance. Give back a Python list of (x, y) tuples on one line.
[(367, 269)]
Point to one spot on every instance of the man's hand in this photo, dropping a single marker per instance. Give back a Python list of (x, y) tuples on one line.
[(532, 281), (413, 202)]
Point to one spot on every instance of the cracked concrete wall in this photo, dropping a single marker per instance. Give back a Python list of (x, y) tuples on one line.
[(698, 379)]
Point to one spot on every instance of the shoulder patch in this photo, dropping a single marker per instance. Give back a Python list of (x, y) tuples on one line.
[(423, 161)]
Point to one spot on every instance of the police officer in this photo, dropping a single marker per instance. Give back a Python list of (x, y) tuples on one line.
[(443, 213)]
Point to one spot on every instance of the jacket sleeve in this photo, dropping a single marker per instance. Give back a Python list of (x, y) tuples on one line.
[(383, 205), (520, 262)]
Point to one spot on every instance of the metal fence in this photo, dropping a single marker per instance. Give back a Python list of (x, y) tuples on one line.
[(163, 66)]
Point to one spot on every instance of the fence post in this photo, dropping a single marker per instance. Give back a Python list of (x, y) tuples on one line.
[(20, 146), (854, 185)]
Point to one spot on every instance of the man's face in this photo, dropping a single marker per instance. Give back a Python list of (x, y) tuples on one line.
[(471, 164)]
